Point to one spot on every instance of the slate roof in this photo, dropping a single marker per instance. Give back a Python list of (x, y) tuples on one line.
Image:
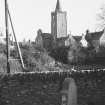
[(46, 35), (58, 7), (94, 35), (77, 38), (62, 38)]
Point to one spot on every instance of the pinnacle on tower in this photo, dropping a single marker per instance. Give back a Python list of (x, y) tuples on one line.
[(58, 8)]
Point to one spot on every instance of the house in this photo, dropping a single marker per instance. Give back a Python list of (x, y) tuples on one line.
[(102, 39), (93, 38), (77, 38), (39, 39), (43, 40)]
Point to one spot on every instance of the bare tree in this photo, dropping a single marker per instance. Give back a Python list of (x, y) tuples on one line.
[(101, 18)]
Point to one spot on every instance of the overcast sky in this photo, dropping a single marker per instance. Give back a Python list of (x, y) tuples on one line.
[(30, 15)]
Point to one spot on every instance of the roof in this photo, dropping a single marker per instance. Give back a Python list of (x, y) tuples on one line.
[(46, 35), (77, 38), (62, 38), (94, 35), (58, 7)]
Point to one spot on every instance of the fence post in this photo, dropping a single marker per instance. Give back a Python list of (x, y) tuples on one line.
[(69, 92)]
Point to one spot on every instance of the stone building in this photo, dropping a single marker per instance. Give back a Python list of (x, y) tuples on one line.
[(93, 38), (102, 39), (58, 36), (38, 39), (59, 26), (43, 40), (77, 38)]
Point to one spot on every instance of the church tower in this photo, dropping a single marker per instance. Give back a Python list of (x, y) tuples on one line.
[(58, 24)]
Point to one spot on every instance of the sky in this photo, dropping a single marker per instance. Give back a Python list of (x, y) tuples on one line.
[(30, 15)]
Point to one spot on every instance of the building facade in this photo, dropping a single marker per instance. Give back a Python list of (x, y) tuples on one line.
[(58, 36), (43, 40), (58, 26), (93, 39)]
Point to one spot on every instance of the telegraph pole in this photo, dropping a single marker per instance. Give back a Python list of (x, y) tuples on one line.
[(18, 48), (7, 36)]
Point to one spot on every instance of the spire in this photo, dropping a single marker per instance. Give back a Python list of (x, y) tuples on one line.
[(58, 8)]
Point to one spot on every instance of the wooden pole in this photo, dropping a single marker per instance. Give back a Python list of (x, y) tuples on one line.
[(7, 36), (19, 51)]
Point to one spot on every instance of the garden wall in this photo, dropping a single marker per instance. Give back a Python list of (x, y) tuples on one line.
[(44, 88)]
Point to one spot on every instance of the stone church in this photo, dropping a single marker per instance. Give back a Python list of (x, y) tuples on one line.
[(58, 36)]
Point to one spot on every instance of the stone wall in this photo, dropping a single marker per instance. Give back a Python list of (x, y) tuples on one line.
[(44, 89)]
